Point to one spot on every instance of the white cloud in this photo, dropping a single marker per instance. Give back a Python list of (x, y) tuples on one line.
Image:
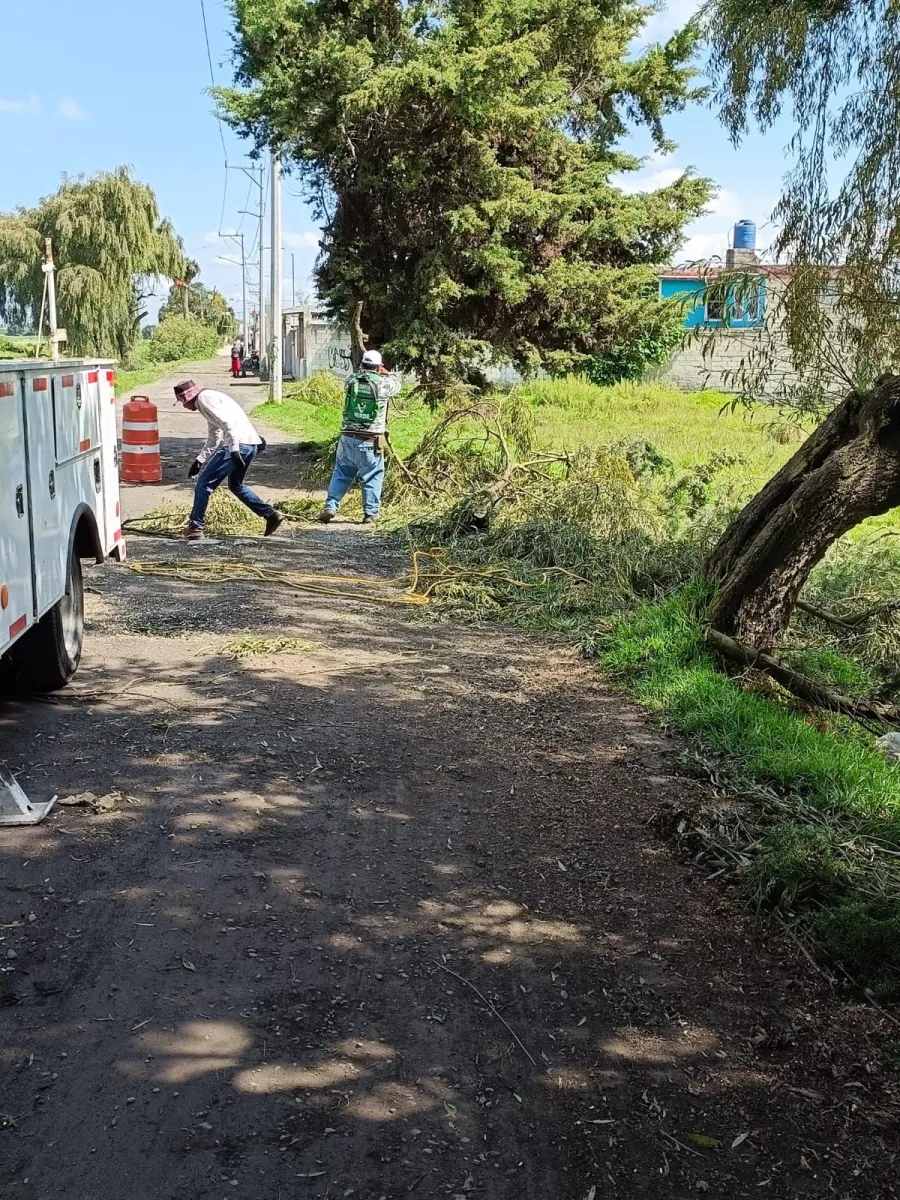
[(31, 104), (726, 204), (704, 245), (70, 110), (307, 240)]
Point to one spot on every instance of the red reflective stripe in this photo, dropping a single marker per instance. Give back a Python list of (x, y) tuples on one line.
[(110, 377), (117, 536), (85, 445), (93, 376), (68, 380), (7, 389), (39, 385), (18, 626)]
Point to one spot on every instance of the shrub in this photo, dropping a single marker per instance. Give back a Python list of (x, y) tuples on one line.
[(182, 337)]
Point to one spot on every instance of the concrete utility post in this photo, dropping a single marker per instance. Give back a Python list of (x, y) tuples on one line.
[(276, 359)]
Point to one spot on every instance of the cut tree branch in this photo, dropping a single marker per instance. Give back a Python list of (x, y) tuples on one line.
[(801, 685)]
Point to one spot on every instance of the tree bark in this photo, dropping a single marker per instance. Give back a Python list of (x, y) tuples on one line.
[(357, 341), (848, 470)]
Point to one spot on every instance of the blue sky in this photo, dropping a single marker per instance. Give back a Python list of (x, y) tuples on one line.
[(123, 82)]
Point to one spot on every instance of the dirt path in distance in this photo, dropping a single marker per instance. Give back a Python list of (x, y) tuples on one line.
[(381, 914)]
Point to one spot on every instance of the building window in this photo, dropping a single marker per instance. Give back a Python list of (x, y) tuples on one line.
[(715, 308)]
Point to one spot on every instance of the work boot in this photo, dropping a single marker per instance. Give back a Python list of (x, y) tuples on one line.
[(272, 523), (325, 516), (368, 519), (193, 534)]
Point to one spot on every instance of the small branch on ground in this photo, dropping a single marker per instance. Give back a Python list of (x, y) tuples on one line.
[(484, 1000)]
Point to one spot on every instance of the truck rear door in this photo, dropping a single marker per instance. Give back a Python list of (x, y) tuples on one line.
[(16, 594)]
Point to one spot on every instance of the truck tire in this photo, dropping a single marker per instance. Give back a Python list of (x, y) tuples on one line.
[(47, 657)]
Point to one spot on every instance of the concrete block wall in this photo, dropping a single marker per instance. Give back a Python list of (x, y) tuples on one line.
[(690, 371)]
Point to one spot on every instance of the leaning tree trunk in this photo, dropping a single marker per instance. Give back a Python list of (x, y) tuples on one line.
[(849, 469), (357, 340)]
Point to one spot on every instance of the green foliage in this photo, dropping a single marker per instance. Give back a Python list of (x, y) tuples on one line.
[(179, 338), (108, 237), (833, 65), (459, 157), (202, 304), (631, 359), (830, 859)]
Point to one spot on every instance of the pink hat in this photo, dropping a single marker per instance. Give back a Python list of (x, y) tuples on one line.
[(186, 391)]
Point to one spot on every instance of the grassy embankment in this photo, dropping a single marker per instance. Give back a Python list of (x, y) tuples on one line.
[(608, 552)]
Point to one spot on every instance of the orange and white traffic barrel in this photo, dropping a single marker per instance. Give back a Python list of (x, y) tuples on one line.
[(141, 462)]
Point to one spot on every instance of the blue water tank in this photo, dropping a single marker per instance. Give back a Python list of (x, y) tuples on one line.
[(745, 235)]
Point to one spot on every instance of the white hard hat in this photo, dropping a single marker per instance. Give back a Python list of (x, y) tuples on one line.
[(372, 358)]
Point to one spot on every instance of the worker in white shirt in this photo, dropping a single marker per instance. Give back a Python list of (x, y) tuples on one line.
[(231, 446)]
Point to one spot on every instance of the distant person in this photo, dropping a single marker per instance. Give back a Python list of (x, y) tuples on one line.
[(360, 452), (236, 358), (231, 446)]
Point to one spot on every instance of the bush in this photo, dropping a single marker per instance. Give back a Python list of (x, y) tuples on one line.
[(319, 388), (182, 337)]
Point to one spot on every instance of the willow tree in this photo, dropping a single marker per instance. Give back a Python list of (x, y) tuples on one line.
[(108, 241), (459, 155), (832, 342)]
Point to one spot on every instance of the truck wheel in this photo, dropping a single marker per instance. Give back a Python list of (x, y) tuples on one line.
[(47, 657)]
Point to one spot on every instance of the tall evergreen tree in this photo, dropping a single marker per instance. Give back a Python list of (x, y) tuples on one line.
[(459, 155), (108, 237)]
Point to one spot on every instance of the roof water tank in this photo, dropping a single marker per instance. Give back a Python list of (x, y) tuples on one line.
[(745, 235)]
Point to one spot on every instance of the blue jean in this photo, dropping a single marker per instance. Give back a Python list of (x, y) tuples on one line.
[(219, 467), (357, 459)]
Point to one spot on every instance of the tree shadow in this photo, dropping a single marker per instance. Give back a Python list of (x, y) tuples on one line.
[(381, 917)]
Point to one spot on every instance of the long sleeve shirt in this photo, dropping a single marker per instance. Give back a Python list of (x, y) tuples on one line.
[(229, 425)]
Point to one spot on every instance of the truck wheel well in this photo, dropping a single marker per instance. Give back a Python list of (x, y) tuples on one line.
[(86, 536)]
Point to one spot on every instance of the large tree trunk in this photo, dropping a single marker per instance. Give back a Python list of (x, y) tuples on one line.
[(849, 469)]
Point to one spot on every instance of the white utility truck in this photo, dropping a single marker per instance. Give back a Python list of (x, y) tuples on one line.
[(59, 504)]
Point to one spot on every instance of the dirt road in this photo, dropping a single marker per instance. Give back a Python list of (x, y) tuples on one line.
[(381, 915)]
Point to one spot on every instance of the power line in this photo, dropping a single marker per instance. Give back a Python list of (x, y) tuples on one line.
[(212, 78)]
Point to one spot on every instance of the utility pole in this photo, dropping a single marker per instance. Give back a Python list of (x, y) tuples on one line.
[(275, 359), (293, 282), (245, 325), (263, 350), (57, 335)]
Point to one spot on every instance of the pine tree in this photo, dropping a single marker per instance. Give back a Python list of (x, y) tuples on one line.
[(459, 156)]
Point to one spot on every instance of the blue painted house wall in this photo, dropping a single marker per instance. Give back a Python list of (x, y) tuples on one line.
[(694, 291)]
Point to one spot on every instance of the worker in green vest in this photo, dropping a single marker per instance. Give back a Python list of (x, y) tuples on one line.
[(360, 452)]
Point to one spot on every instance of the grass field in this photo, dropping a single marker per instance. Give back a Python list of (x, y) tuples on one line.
[(607, 552)]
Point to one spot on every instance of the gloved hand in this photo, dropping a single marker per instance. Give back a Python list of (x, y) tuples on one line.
[(238, 462), (195, 468), (262, 446)]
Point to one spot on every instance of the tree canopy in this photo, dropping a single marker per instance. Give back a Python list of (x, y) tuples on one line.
[(108, 237), (832, 66), (459, 155), (195, 300)]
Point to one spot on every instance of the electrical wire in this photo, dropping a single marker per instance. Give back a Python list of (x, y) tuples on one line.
[(212, 78)]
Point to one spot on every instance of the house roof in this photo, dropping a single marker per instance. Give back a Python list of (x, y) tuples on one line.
[(707, 270)]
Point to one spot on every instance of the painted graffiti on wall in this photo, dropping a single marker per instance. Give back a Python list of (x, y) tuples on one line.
[(339, 359)]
